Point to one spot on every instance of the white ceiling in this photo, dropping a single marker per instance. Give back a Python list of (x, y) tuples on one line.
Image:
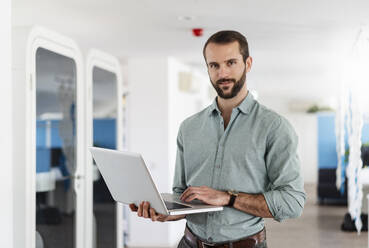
[(298, 46)]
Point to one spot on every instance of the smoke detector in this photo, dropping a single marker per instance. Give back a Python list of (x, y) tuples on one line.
[(197, 32)]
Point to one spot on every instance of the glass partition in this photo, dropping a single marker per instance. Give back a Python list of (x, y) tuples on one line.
[(55, 149), (104, 135)]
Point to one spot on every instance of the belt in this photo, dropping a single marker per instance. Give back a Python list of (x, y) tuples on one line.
[(247, 242)]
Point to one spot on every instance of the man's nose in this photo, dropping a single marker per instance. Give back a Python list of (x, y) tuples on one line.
[(223, 72)]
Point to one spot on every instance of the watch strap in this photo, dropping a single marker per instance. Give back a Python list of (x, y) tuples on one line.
[(232, 199)]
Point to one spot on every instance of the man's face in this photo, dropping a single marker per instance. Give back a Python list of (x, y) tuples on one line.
[(226, 68)]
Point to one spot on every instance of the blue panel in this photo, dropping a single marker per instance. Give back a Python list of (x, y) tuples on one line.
[(56, 141), (365, 133), (48, 127), (43, 162), (46, 130), (40, 133), (104, 136), (105, 133), (327, 155)]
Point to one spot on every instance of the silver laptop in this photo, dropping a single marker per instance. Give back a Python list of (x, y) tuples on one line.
[(129, 181)]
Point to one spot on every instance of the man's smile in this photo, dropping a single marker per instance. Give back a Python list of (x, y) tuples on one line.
[(225, 82)]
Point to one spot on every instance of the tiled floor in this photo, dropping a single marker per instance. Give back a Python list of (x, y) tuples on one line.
[(318, 227)]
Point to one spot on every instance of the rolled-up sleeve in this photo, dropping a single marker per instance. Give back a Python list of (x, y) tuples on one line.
[(179, 181), (285, 196)]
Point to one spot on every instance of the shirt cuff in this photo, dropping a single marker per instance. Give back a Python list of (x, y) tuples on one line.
[(272, 199)]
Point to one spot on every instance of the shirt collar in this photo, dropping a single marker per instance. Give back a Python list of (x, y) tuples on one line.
[(247, 103), (214, 107), (244, 107)]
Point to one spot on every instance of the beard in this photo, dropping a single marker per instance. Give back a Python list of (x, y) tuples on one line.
[(237, 86)]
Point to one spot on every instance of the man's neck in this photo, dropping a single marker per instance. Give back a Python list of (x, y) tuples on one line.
[(226, 105)]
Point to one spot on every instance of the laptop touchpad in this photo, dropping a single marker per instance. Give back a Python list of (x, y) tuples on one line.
[(173, 205)]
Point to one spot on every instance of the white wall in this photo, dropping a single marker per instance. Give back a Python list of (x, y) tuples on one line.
[(156, 108), (148, 134), (306, 128), (6, 189), (184, 104)]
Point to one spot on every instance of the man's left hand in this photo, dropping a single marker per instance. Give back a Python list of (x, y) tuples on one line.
[(207, 195)]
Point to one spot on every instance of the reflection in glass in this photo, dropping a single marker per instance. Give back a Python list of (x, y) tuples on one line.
[(104, 135), (55, 149)]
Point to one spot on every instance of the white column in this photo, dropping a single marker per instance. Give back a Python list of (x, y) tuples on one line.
[(148, 124), (156, 107), (6, 188)]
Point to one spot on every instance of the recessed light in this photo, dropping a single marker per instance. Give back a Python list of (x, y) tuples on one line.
[(186, 18)]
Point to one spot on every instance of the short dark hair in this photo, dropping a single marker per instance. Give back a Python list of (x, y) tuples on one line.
[(229, 36)]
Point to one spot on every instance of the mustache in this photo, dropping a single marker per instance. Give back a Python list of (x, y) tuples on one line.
[(225, 80)]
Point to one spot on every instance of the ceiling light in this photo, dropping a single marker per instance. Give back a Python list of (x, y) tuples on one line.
[(186, 18)]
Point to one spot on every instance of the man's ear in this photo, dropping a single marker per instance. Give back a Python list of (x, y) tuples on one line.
[(248, 63)]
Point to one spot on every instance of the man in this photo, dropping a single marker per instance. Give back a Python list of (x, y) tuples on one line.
[(235, 153)]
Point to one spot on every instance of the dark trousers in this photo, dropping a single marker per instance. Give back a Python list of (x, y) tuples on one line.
[(184, 244)]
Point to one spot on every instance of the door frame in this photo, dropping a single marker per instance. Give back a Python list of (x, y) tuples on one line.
[(105, 61), (38, 37)]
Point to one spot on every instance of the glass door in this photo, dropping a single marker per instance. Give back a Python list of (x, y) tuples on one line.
[(55, 149), (105, 112)]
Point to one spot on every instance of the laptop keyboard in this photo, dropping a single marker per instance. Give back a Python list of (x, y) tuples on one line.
[(173, 205)]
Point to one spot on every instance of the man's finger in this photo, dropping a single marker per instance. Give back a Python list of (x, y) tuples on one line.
[(140, 209), (188, 192), (153, 214), (185, 197), (189, 189), (161, 217), (184, 193), (194, 190), (146, 206), (192, 197)]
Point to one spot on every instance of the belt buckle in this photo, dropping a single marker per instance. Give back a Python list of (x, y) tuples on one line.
[(204, 244)]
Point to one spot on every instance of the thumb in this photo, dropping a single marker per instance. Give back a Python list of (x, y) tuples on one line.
[(133, 207)]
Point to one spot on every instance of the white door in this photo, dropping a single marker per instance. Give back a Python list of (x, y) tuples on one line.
[(49, 163), (105, 117)]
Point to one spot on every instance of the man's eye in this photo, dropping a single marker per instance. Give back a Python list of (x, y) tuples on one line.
[(213, 66), (231, 62)]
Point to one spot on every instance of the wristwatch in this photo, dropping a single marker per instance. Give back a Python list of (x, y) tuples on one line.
[(233, 195)]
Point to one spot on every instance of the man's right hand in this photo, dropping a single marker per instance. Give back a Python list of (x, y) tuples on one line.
[(144, 210)]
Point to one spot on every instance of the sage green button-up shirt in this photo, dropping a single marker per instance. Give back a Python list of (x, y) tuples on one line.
[(256, 154)]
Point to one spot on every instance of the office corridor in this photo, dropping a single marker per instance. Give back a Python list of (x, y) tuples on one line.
[(318, 227)]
